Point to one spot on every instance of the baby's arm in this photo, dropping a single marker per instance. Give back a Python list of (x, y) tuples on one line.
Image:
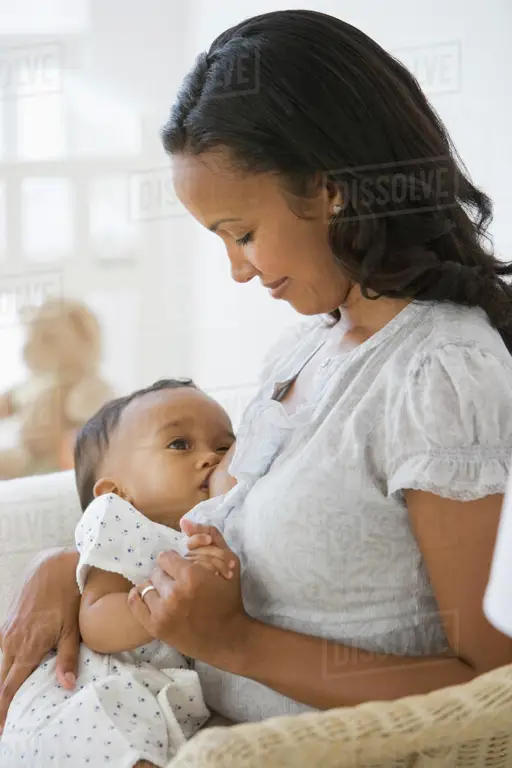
[(107, 625)]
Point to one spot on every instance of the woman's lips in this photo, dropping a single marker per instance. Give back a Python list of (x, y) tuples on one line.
[(278, 288)]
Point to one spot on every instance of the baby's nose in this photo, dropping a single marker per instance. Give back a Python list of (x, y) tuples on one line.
[(210, 459)]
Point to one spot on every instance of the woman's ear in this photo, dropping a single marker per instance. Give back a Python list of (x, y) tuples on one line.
[(107, 485)]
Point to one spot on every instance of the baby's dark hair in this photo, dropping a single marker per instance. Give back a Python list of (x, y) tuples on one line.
[(93, 439)]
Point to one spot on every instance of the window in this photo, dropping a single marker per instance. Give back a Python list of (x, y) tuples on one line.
[(113, 234), (47, 219), (41, 127)]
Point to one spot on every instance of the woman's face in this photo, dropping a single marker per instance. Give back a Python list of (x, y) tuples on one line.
[(264, 237)]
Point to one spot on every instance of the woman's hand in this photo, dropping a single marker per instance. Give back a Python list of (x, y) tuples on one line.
[(194, 611), (45, 616)]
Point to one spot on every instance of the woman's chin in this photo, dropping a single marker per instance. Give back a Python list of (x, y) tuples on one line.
[(309, 307)]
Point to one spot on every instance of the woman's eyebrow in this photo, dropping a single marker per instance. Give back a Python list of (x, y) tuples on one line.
[(217, 224)]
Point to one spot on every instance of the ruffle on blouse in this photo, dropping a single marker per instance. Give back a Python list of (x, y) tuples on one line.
[(458, 478), (455, 417)]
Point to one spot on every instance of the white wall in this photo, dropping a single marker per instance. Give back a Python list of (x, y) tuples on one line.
[(171, 307)]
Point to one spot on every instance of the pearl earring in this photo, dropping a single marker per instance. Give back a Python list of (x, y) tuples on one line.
[(336, 210)]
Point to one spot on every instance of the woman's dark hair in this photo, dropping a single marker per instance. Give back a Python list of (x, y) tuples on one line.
[(93, 439), (299, 93)]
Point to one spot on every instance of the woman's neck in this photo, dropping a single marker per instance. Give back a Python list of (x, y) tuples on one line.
[(367, 316)]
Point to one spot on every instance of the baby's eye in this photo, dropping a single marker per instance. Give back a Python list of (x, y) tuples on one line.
[(223, 449), (179, 445)]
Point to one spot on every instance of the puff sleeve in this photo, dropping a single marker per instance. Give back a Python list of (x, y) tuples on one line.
[(449, 430), (114, 536)]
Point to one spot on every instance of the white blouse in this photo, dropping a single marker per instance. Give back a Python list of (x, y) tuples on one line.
[(318, 516)]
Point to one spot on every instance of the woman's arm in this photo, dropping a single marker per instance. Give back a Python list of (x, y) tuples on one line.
[(456, 540), (106, 623), (324, 675), (210, 624), (44, 616)]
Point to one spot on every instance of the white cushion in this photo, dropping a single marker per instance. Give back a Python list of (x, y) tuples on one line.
[(36, 513)]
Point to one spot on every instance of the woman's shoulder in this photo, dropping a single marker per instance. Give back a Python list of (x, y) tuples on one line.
[(452, 375), (447, 424), (448, 332), (455, 379)]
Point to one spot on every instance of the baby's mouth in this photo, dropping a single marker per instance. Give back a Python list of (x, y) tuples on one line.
[(205, 485)]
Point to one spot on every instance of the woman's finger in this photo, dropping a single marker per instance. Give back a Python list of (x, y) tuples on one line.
[(140, 608), (14, 679), (7, 662), (208, 565), (67, 659), (172, 565)]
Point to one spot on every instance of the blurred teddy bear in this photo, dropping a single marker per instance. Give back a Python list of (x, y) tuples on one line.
[(62, 352)]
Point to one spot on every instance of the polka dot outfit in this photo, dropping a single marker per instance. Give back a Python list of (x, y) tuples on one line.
[(126, 707)]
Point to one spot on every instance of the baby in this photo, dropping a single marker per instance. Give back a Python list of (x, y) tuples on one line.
[(141, 463)]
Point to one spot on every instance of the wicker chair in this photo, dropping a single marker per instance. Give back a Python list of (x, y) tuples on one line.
[(468, 726)]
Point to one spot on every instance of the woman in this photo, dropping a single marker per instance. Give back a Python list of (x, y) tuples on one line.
[(371, 466)]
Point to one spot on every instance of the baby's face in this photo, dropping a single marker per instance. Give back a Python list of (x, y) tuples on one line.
[(164, 450)]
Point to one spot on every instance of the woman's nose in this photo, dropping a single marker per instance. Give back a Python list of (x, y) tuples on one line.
[(242, 270)]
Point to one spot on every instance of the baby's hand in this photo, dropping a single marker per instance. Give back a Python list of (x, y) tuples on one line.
[(214, 559)]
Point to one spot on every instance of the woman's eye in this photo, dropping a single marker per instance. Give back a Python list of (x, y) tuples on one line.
[(179, 445), (245, 239)]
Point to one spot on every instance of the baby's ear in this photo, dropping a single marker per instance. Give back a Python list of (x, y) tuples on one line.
[(107, 485)]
